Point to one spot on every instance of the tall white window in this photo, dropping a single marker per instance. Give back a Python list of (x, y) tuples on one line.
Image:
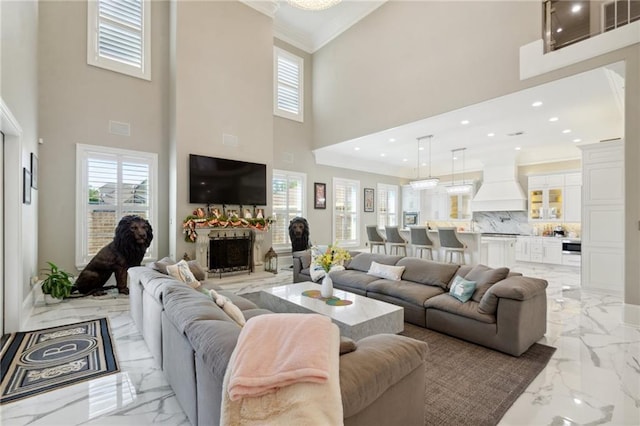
[(346, 217), (288, 85), (112, 183), (387, 205), (119, 36), (288, 202)]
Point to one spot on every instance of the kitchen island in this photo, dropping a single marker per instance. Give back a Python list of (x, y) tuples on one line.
[(470, 238)]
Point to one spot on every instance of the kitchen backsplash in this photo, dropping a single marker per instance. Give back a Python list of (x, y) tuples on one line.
[(509, 223)]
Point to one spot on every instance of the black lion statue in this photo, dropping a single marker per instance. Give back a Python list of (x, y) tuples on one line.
[(133, 237), (299, 234)]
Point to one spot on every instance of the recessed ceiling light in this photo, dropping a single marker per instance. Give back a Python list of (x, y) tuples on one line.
[(517, 148), (392, 140), (421, 148), (576, 8), (405, 160), (357, 148), (464, 122), (424, 164), (577, 140), (559, 30), (455, 158), (536, 104), (552, 119), (382, 154), (491, 134), (566, 131)]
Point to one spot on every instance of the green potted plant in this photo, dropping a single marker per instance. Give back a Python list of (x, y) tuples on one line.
[(57, 283)]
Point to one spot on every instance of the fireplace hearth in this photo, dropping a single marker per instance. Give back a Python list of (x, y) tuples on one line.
[(230, 253)]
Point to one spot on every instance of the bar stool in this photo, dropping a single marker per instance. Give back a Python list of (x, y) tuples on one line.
[(395, 240), (452, 245), (375, 239), (420, 241)]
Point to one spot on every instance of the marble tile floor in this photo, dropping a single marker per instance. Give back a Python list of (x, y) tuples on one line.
[(593, 377)]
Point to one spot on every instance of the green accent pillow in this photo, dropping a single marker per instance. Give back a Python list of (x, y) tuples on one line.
[(462, 289)]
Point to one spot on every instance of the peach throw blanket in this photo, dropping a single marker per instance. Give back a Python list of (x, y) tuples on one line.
[(277, 350), (285, 371)]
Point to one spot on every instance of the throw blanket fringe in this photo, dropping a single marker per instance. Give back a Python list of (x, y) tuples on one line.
[(296, 382)]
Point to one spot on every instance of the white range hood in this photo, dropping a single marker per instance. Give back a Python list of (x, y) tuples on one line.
[(500, 190)]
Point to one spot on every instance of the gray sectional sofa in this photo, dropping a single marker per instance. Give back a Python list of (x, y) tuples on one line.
[(191, 339), (508, 312)]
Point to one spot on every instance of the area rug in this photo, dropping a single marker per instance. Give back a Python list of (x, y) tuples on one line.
[(469, 384), (39, 361)]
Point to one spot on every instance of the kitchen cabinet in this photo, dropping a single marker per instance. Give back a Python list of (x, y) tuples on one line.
[(440, 205), (497, 252), (459, 206), (573, 197), (546, 197), (539, 250), (523, 251)]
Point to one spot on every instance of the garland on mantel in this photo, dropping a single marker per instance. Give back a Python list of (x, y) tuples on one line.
[(215, 220)]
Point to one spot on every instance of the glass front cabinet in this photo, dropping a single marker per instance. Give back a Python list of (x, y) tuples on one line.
[(546, 198)]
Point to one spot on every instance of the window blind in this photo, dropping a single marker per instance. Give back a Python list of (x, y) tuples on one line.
[(120, 31), (288, 202)]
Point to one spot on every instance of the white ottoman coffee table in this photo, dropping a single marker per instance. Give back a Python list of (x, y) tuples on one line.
[(364, 317)]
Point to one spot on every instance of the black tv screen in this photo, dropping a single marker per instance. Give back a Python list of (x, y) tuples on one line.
[(222, 181)]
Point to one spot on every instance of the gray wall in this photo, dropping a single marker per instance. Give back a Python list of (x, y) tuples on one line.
[(19, 91), (223, 85), (411, 60), (76, 102)]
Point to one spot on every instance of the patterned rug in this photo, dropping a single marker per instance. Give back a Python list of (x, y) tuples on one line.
[(38, 361)]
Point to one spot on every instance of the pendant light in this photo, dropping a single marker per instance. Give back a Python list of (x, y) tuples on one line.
[(429, 182), (462, 188)]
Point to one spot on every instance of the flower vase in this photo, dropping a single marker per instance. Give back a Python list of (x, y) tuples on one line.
[(327, 287)]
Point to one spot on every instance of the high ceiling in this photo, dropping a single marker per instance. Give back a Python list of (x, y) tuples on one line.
[(590, 105)]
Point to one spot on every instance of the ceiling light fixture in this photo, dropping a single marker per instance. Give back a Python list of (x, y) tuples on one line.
[(566, 131), (462, 188), (576, 8), (464, 122), (552, 119), (577, 140), (313, 4), (536, 104), (430, 182), (491, 134)]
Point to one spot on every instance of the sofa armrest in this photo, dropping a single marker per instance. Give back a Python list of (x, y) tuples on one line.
[(301, 260), (379, 362), (513, 287)]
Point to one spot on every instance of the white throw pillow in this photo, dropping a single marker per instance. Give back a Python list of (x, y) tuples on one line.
[(386, 271), (181, 272)]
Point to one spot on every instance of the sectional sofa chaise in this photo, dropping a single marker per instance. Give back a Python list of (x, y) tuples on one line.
[(191, 338), (507, 312)]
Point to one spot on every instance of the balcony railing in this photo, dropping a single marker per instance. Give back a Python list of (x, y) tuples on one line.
[(569, 22)]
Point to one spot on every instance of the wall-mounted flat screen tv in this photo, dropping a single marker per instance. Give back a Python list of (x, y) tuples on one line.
[(222, 181)]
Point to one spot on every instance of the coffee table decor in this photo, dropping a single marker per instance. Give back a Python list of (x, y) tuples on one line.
[(333, 301)]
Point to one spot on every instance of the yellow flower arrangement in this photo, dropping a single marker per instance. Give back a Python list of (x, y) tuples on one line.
[(332, 256)]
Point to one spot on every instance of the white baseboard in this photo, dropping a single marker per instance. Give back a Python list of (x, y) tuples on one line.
[(27, 307), (631, 314)]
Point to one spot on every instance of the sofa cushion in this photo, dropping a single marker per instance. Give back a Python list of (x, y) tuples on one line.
[(161, 265), (197, 271), (485, 277), (352, 279), (462, 289), (427, 271), (362, 261), (389, 272), (411, 292), (213, 342), (469, 309), (513, 287), (184, 306), (304, 256)]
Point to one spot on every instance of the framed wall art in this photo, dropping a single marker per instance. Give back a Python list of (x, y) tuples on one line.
[(26, 186), (369, 200), (34, 171), (320, 195)]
